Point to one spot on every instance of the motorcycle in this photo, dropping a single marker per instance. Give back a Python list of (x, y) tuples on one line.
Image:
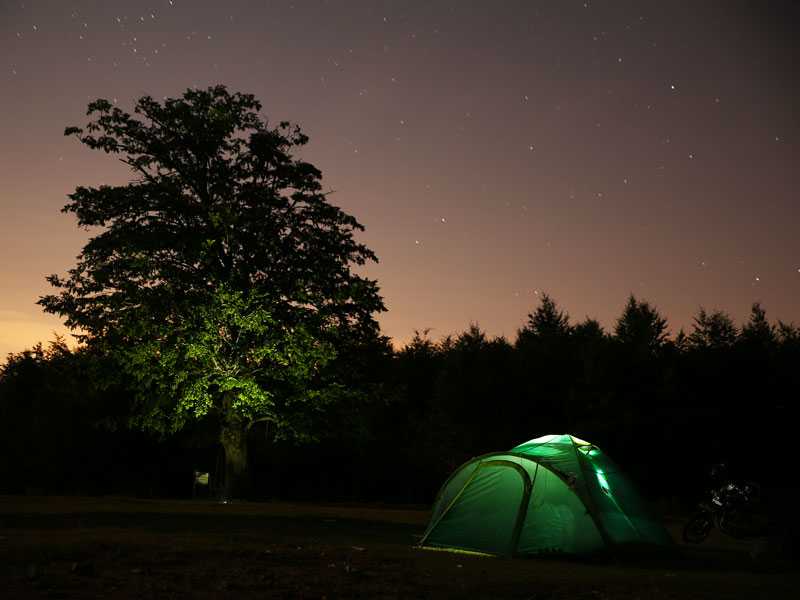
[(731, 508)]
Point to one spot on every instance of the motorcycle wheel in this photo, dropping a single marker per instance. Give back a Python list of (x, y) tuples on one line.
[(697, 528), (739, 525)]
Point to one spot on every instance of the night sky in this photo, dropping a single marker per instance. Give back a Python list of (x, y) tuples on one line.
[(493, 150)]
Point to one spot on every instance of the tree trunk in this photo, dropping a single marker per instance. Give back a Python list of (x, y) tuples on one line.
[(233, 437)]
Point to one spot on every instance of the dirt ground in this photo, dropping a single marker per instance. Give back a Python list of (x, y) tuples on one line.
[(129, 548)]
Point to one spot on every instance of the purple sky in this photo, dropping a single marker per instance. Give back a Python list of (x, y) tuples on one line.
[(493, 150)]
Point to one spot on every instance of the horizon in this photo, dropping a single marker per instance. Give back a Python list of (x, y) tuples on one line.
[(428, 333)]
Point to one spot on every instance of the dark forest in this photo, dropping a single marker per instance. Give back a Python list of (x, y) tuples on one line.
[(666, 408)]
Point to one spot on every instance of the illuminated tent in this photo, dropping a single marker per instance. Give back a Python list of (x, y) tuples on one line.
[(553, 494)]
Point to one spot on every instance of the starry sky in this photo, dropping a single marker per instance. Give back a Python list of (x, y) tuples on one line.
[(494, 150)]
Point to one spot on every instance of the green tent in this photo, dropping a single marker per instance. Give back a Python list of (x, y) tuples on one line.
[(553, 494)]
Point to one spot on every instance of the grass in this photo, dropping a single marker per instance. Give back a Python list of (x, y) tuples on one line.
[(64, 547)]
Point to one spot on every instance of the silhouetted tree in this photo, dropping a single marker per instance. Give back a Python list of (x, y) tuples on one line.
[(545, 366), (589, 331), (639, 373), (473, 381), (758, 332), (788, 334), (418, 364), (221, 279), (756, 376), (547, 322), (709, 373), (48, 413), (713, 331), (681, 341), (641, 328), (590, 346), (35, 424)]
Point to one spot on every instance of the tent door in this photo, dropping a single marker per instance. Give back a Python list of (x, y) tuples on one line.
[(488, 512)]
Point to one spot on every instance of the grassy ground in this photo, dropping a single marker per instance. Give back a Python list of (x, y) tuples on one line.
[(128, 548)]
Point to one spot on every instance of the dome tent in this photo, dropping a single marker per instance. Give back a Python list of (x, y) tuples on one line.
[(553, 494)]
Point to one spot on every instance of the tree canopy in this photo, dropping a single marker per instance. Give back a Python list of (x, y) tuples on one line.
[(221, 280)]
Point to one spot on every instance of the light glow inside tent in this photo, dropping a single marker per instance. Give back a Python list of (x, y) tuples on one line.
[(601, 478), (552, 494)]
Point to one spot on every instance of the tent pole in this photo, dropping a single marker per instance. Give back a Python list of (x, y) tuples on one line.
[(592, 507)]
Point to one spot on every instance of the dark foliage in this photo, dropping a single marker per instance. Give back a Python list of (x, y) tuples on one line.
[(665, 409), (58, 432)]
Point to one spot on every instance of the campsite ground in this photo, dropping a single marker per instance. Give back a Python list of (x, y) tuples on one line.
[(129, 548)]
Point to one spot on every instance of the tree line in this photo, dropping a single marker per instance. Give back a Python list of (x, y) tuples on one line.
[(665, 408)]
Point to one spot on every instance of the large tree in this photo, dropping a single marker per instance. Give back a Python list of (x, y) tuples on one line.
[(220, 279)]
